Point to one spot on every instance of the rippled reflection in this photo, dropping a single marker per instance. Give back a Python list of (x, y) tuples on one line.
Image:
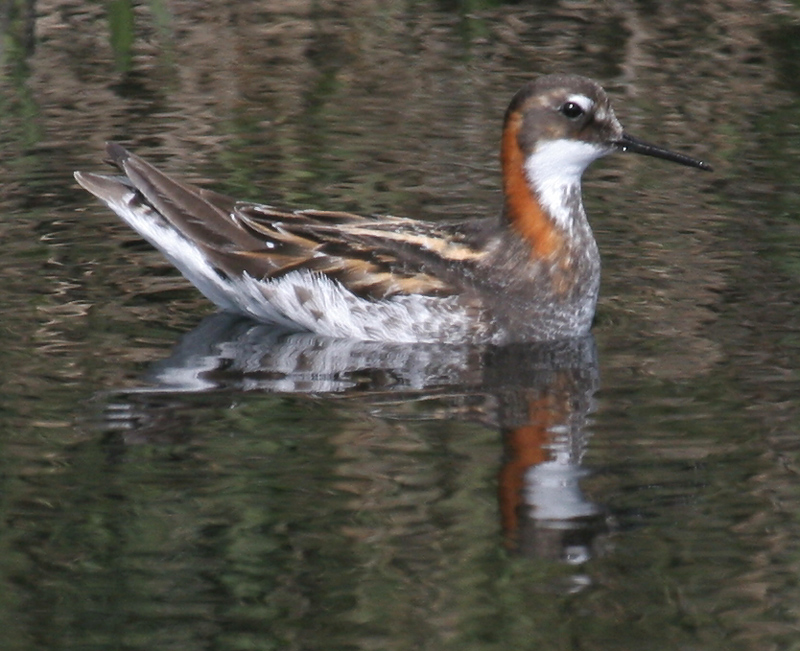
[(270, 494), (537, 396)]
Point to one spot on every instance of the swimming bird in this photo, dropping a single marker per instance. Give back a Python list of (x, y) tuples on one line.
[(530, 274)]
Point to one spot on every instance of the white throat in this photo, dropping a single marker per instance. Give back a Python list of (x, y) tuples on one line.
[(555, 170)]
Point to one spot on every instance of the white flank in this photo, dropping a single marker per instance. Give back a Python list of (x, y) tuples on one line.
[(324, 306)]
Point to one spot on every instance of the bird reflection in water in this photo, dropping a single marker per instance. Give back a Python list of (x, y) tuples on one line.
[(538, 396)]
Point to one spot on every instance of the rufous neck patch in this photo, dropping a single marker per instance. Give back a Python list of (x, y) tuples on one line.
[(523, 210)]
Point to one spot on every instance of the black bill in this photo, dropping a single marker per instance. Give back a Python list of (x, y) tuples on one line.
[(629, 143)]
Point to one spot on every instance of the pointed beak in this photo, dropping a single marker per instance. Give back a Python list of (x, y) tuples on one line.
[(629, 143)]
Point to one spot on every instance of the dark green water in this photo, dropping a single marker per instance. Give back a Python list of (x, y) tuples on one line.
[(170, 482)]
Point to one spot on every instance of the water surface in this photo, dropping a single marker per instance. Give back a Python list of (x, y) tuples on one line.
[(172, 479)]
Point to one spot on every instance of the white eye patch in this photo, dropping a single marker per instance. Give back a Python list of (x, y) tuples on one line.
[(581, 100)]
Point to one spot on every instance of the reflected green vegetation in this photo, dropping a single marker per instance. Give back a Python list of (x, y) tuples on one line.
[(18, 106), (122, 32), (17, 24), (273, 524)]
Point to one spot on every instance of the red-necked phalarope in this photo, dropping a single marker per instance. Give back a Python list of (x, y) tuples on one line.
[(531, 275)]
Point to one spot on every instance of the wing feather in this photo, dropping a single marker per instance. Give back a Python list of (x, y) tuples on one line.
[(374, 257)]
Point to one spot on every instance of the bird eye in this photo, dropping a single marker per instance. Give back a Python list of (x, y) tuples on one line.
[(572, 110)]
